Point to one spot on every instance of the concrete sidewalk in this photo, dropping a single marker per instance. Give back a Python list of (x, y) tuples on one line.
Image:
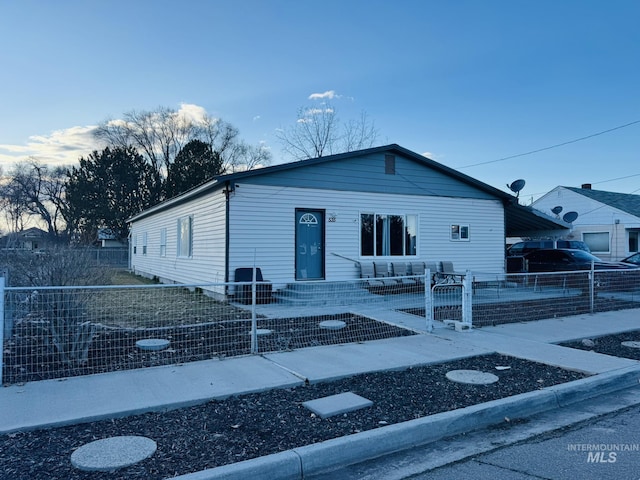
[(81, 399)]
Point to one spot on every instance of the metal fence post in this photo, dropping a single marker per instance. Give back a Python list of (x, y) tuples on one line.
[(428, 300), (467, 295), (592, 290), (254, 321), (1, 326)]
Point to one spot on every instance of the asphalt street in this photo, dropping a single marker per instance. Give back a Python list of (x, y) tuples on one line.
[(597, 439)]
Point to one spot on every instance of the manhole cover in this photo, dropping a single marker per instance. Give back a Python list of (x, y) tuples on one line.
[(474, 377), (333, 324), (152, 344), (631, 344), (112, 453)]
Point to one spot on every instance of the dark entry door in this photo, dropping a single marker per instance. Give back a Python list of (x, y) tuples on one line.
[(309, 244)]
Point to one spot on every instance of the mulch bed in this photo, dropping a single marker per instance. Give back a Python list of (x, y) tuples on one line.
[(29, 355), (249, 426), (610, 345)]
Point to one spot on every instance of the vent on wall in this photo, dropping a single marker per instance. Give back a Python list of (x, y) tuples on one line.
[(390, 164), (586, 186)]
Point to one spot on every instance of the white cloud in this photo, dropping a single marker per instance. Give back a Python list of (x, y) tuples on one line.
[(192, 112), (256, 118), (66, 146), (329, 94), (61, 147)]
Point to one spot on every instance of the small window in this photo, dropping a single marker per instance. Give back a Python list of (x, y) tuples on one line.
[(163, 242), (185, 237), (460, 233), (144, 243), (598, 242), (135, 244)]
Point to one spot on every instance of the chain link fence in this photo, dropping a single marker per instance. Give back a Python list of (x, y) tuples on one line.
[(57, 332)]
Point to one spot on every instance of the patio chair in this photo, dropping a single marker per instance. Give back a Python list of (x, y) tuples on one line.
[(399, 269), (382, 273), (368, 273)]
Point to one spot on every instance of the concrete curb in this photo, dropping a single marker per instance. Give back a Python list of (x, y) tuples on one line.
[(322, 457)]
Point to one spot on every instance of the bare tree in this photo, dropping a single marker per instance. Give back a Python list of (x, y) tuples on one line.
[(161, 134), (317, 132), (34, 190)]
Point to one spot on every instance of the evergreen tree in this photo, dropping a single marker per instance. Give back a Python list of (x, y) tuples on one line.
[(195, 164), (106, 189)]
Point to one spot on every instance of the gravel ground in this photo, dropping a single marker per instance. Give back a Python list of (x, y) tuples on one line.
[(248, 426), (610, 345)]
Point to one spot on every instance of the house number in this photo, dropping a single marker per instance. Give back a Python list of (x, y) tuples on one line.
[(332, 218)]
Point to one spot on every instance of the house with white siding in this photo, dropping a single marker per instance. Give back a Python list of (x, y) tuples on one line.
[(317, 219), (608, 222)]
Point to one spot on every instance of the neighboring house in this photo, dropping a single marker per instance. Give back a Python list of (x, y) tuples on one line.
[(316, 219), (30, 239), (108, 239), (608, 222)]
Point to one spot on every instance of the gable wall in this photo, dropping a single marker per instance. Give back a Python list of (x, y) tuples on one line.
[(367, 174)]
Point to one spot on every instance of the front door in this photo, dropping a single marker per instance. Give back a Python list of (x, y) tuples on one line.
[(309, 244)]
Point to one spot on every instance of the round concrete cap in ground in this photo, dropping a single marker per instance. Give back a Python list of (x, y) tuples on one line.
[(152, 344), (112, 453), (474, 377), (631, 344), (333, 324)]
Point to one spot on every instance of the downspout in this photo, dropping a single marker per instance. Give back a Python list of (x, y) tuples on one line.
[(228, 189)]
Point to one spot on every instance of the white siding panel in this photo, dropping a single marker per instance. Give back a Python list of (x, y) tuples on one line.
[(262, 229), (262, 232), (207, 263)]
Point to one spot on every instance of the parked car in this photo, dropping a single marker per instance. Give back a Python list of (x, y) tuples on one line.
[(632, 259), (568, 260), (571, 260), (522, 248)]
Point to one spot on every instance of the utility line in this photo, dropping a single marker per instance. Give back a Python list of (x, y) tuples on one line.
[(553, 146)]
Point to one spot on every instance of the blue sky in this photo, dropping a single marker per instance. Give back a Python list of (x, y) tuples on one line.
[(466, 82)]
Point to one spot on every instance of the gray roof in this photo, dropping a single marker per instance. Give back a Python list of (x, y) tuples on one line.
[(518, 218), (626, 202)]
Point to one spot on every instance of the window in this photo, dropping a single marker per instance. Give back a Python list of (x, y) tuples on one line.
[(384, 235), (633, 240), (163, 242), (460, 233), (598, 242), (144, 243), (135, 244), (185, 236)]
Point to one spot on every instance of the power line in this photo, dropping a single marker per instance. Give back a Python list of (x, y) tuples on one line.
[(553, 146)]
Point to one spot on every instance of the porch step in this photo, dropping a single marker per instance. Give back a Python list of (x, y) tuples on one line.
[(321, 293)]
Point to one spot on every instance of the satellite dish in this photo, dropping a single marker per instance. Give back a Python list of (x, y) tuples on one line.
[(557, 210), (516, 186), (570, 217)]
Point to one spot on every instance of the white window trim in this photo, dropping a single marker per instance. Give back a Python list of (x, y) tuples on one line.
[(396, 214), (163, 242), (600, 232), (179, 254), (460, 227), (144, 243)]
